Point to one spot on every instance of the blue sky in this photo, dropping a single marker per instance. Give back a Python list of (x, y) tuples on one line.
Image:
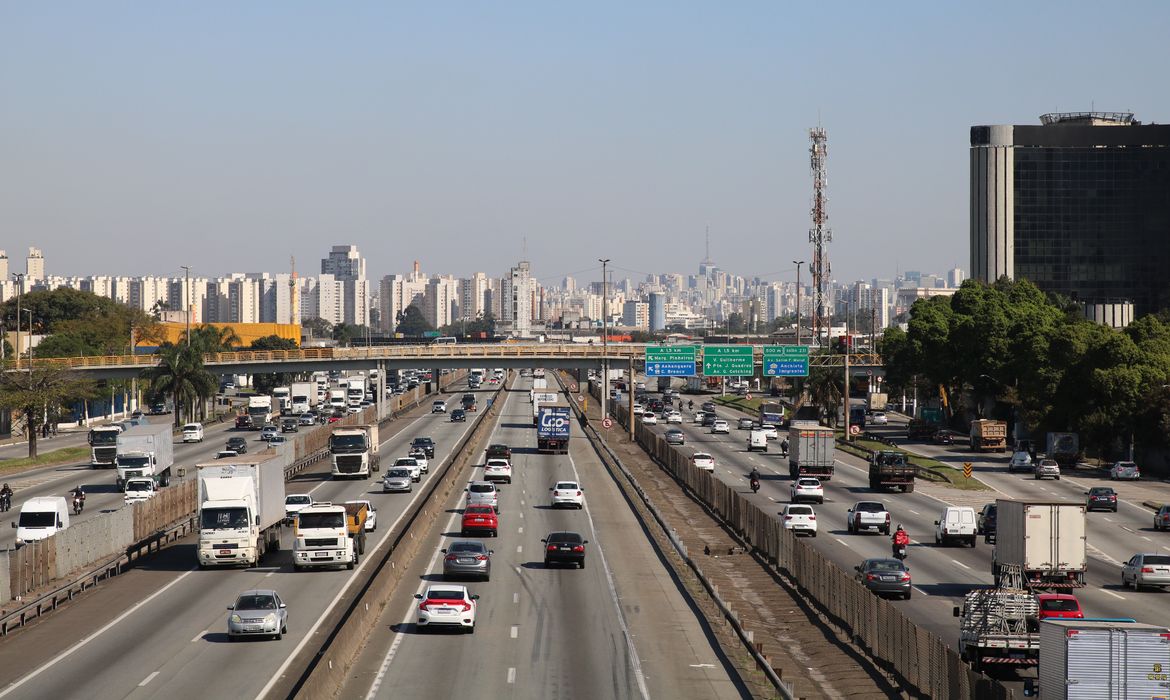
[(138, 137)]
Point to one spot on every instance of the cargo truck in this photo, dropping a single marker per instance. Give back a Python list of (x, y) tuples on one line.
[(103, 442), (260, 411), (810, 450), (282, 400), (877, 401), (663, 384), (891, 469), (145, 450), (1065, 448), (321, 538), (552, 429), (356, 514), (353, 450), (337, 399), (241, 506), (988, 435), (304, 397), (998, 626), (1090, 659), (1041, 544), (771, 413), (355, 391)]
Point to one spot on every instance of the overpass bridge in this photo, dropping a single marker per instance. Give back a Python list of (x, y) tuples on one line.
[(507, 355)]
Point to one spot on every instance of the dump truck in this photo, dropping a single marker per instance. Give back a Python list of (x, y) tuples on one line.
[(241, 506), (145, 450), (999, 626), (988, 435), (811, 450), (103, 441), (1041, 544), (1090, 659), (1065, 448), (353, 450), (355, 521), (891, 469), (552, 429), (321, 538)]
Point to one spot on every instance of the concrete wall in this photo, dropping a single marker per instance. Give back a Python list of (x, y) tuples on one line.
[(5, 580), (93, 540)]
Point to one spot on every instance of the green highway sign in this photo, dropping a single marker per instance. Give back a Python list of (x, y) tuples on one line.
[(785, 360), (728, 361), (670, 353)]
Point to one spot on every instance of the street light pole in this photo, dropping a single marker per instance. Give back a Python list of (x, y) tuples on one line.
[(798, 263), (187, 299), (604, 336), (19, 277), (30, 350)]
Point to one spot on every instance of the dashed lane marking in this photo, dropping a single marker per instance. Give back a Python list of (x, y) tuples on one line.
[(1106, 590), (961, 564), (148, 679), (512, 674), (515, 631)]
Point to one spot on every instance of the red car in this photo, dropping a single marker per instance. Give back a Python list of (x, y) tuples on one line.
[(480, 519), (1059, 605)]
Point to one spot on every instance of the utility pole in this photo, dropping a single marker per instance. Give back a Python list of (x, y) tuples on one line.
[(798, 263), (187, 299), (604, 336), (19, 276), (845, 393)]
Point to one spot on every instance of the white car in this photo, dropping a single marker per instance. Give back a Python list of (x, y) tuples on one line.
[(770, 431), (371, 515), (807, 488), (139, 489), (439, 406), (420, 456), (497, 470), (567, 493), (720, 426), (649, 419), (412, 464), (447, 605), (745, 424), (1021, 462), (193, 432), (674, 417), (879, 418), (800, 518), (697, 418), (639, 409), (295, 503), (397, 479), (704, 461)]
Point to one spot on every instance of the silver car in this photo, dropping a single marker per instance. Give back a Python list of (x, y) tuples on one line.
[(397, 479), (1146, 570), (483, 493), (257, 613), (1047, 468), (467, 558)]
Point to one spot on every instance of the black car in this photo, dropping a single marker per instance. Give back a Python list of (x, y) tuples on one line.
[(1101, 498), (289, 425), (564, 548), (709, 418), (158, 409), (498, 451), (239, 444), (708, 407), (458, 415), (985, 523), (885, 577), (425, 444)]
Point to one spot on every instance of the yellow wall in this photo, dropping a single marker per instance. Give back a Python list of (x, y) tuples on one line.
[(248, 332)]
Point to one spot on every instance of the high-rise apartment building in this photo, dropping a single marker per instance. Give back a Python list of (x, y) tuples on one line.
[(636, 314), (396, 292), (473, 296), (517, 291), (1078, 205), (34, 266), (656, 309), (347, 266), (441, 301)]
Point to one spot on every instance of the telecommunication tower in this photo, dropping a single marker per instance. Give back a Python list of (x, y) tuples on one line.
[(819, 235), (294, 297)]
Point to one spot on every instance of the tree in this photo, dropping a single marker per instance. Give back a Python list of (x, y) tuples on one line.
[(264, 383), (273, 342), (318, 327), (208, 338), (181, 375), (42, 391), (77, 323), (411, 322)]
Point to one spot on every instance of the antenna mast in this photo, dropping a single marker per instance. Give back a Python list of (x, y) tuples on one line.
[(294, 298), (819, 235)]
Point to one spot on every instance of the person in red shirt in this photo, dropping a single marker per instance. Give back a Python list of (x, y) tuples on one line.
[(901, 540)]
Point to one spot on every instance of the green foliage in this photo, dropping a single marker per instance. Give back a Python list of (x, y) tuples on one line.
[(264, 383), (273, 342), (78, 323), (411, 322), (181, 375), (318, 327), (43, 390), (484, 322)]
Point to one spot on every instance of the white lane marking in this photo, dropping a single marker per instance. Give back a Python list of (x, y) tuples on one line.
[(147, 679), (517, 570), (1129, 529), (515, 631), (56, 659), (1147, 539), (701, 665), (961, 564), (841, 541), (521, 516), (635, 661), (519, 548), (511, 674), (1105, 590), (914, 512), (520, 530), (521, 501), (270, 573), (199, 636), (1106, 518), (515, 598)]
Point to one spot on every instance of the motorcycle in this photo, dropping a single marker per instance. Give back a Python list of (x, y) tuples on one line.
[(78, 504), (5, 502), (755, 485), (899, 552)]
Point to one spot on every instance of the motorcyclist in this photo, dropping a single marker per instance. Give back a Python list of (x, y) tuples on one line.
[(784, 446), (78, 493), (690, 405), (6, 496), (901, 539), (754, 479)]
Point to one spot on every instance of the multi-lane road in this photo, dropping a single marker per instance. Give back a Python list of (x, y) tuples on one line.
[(943, 574), (620, 628)]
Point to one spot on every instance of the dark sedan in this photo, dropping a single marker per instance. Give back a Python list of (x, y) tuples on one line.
[(1101, 498), (426, 444), (458, 416), (239, 444), (885, 577), (564, 548)]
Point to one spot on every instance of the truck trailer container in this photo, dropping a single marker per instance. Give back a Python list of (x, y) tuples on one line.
[(146, 450), (241, 506), (552, 429), (1091, 659), (1042, 543), (1065, 448), (811, 450)]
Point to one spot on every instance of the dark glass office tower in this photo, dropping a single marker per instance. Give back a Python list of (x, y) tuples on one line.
[(1078, 205)]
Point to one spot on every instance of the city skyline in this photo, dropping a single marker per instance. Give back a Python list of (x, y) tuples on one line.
[(474, 138)]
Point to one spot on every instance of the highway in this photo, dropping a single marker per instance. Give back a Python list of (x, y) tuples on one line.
[(549, 632), (159, 630), (942, 574)]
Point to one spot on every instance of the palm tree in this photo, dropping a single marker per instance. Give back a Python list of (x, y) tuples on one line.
[(824, 388), (180, 374), (209, 339)]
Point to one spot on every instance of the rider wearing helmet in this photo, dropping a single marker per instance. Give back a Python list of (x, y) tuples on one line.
[(901, 537)]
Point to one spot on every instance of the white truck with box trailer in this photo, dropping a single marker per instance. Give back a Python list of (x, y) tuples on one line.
[(811, 450), (1091, 659), (304, 397), (103, 441), (241, 506), (355, 391), (353, 451), (145, 450), (260, 411), (282, 400), (1039, 544)]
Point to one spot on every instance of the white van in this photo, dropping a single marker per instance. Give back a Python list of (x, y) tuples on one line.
[(758, 441), (41, 517), (956, 524)]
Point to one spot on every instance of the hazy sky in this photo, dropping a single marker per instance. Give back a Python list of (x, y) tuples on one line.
[(138, 137)]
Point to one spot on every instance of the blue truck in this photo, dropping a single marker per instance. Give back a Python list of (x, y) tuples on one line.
[(552, 429)]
